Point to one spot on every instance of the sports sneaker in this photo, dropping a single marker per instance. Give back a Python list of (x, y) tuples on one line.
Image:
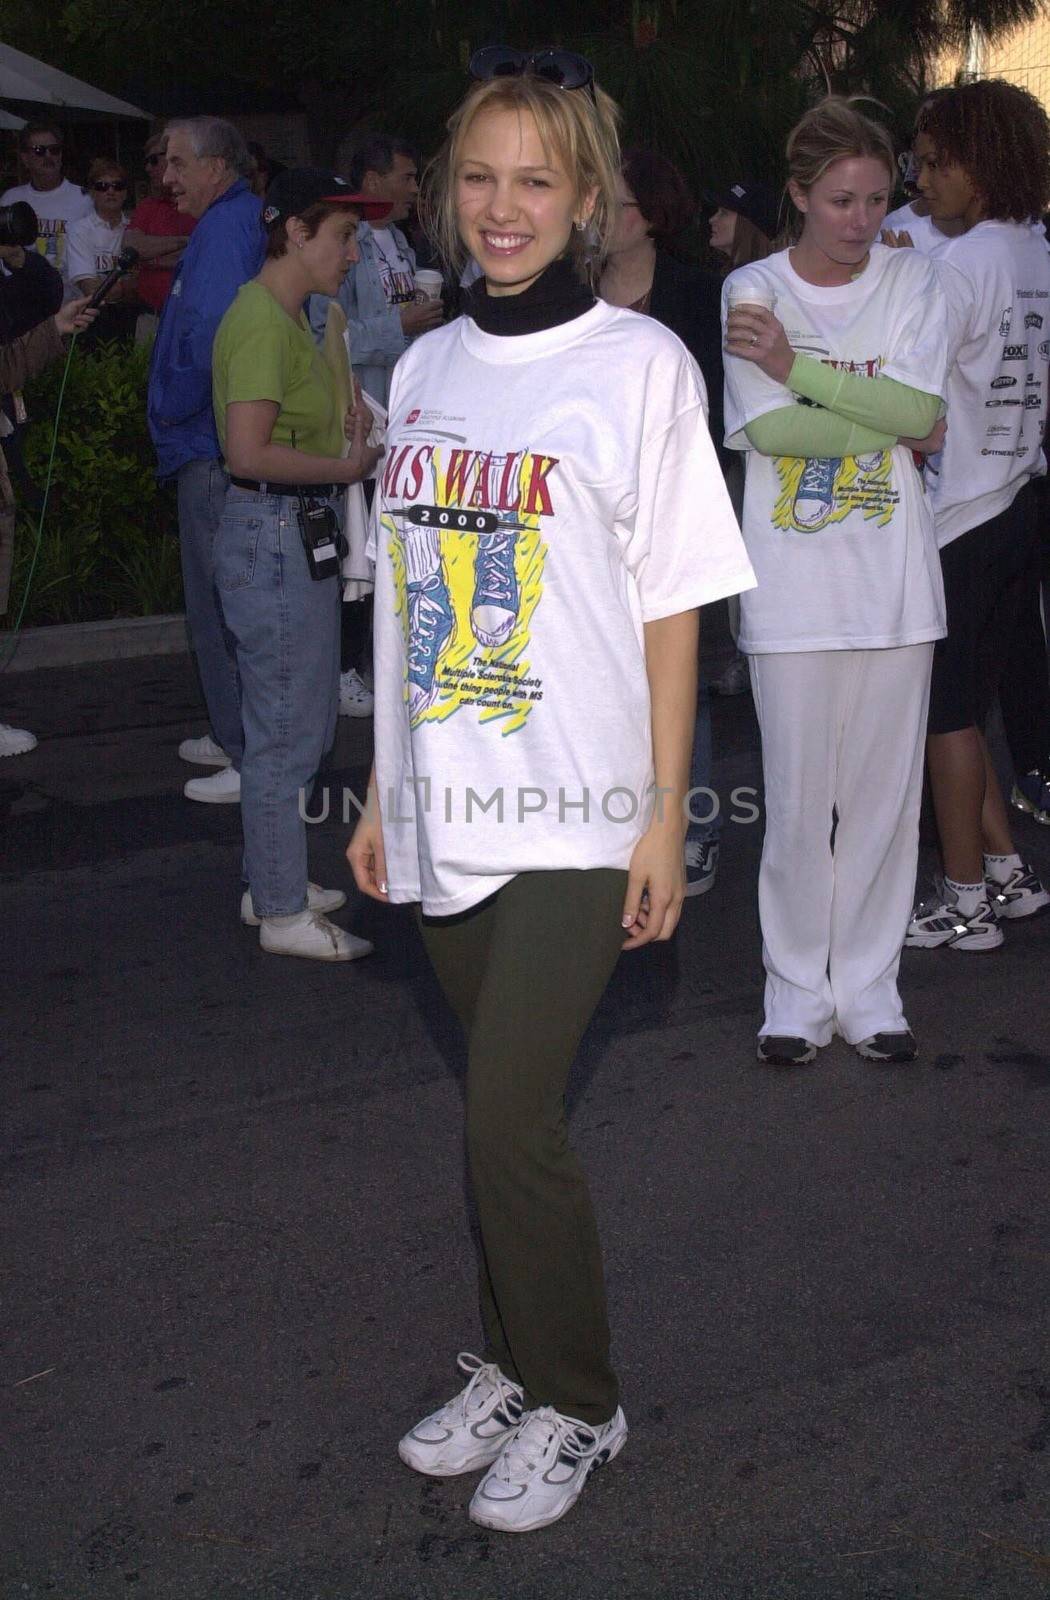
[(203, 752), (785, 1050), (430, 622), (736, 679), (815, 495), (890, 1047), (1031, 793), (355, 697), (317, 899), (940, 922), (16, 741), (494, 608), (223, 788), (542, 1468), (1022, 895), (470, 1431), (312, 936), (871, 462), (701, 865)]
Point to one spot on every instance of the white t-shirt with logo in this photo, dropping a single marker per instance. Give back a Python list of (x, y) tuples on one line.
[(92, 247), (55, 209), (395, 269), (542, 497), (843, 547), (996, 280)]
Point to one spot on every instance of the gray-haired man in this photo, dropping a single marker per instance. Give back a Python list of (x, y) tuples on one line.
[(206, 171)]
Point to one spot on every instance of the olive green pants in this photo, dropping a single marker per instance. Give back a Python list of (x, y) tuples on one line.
[(523, 973)]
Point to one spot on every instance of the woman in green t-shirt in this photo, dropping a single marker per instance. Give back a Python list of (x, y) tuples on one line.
[(283, 425)]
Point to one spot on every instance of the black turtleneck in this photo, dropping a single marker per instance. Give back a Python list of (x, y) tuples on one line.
[(555, 297)]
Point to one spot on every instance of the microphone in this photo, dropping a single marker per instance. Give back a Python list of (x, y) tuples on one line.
[(125, 261)]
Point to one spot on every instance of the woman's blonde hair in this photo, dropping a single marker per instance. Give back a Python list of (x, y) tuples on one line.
[(834, 130), (579, 131)]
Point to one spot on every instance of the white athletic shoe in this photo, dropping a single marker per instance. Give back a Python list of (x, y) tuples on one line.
[(942, 923), (203, 752), (312, 936), (317, 899), (355, 697), (1022, 895), (542, 1468), (16, 741), (223, 788), (470, 1431)]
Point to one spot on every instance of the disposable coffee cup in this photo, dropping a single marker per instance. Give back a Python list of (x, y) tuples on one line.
[(429, 284), (743, 295)]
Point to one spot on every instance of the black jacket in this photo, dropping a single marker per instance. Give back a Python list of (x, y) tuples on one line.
[(688, 301), (28, 295)]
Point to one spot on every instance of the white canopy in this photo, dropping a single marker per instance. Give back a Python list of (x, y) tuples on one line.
[(22, 77), (9, 120)]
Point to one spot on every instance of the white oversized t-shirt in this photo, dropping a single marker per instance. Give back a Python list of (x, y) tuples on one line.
[(542, 497), (843, 547), (55, 210), (996, 280), (92, 247)]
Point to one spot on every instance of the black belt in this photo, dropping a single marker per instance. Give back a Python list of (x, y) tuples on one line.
[(309, 491)]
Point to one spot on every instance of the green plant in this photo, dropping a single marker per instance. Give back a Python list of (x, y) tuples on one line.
[(109, 546)]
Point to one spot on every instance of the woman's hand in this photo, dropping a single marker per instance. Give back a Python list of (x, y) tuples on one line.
[(362, 458), (655, 883), (933, 441), (73, 317), (358, 407), (366, 855), (901, 240), (754, 334)]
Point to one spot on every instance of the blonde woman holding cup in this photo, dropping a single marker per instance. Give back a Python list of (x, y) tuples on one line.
[(836, 358)]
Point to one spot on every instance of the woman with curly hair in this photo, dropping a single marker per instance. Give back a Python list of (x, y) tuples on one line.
[(983, 153)]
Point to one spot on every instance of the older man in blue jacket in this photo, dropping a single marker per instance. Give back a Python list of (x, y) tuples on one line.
[(207, 169)]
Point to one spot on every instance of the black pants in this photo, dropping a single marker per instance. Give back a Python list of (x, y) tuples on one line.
[(523, 973)]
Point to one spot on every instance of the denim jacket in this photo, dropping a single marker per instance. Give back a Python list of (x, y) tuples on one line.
[(224, 251), (376, 338)]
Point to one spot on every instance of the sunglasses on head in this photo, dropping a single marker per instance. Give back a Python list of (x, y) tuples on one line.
[(46, 149), (104, 185), (562, 67)]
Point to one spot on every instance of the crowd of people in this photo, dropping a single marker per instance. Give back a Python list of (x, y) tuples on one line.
[(844, 429)]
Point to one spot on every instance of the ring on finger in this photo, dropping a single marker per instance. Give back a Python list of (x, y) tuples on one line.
[(754, 338)]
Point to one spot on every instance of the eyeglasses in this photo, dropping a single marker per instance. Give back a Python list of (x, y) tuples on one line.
[(45, 149), (151, 161), (563, 67), (104, 185)]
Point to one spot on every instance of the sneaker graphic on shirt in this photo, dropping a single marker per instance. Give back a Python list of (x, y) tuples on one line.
[(430, 625), (494, 609), (871, 462), (815, 495)]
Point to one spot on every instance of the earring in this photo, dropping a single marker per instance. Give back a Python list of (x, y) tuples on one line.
[(298, 244), (581, 227)]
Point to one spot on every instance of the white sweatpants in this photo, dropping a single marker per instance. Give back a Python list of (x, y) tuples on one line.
[(842, 730)]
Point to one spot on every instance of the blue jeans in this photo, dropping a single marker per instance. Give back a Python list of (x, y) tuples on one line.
[(202, 494), (705, 805), (286, 628)]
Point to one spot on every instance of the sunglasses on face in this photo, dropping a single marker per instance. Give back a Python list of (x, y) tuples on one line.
[(154, 160), (46, 149), (562, 67), (104, 185)]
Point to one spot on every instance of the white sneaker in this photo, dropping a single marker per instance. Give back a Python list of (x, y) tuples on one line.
[(223, 788), (355, 698), (317, 899), (16, 741), (940, 922), (1022, 895), (470, 1431), (312, 936), (203, 752), (542, 1468)]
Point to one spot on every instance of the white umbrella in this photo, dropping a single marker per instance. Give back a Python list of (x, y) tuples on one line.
[(22, 77), (9, 120)]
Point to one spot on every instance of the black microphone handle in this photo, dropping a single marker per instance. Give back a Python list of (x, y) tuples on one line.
[(127, 259)]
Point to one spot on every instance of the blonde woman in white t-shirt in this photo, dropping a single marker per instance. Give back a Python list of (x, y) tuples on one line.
[(549, 519), (830, 394)]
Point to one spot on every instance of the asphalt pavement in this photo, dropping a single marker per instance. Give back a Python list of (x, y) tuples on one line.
[(236, 1248)]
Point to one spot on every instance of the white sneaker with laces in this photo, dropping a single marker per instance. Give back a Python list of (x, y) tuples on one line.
[(16, 741), (203, 752), (223, 788), (355, 697), (470, 1431), (312, 936), (317, 899), (1022, 895), (942, 923), (542, 1468)]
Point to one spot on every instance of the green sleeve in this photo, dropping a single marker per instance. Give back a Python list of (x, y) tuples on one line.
[(880, 403), (810, 431), (255, 366)]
